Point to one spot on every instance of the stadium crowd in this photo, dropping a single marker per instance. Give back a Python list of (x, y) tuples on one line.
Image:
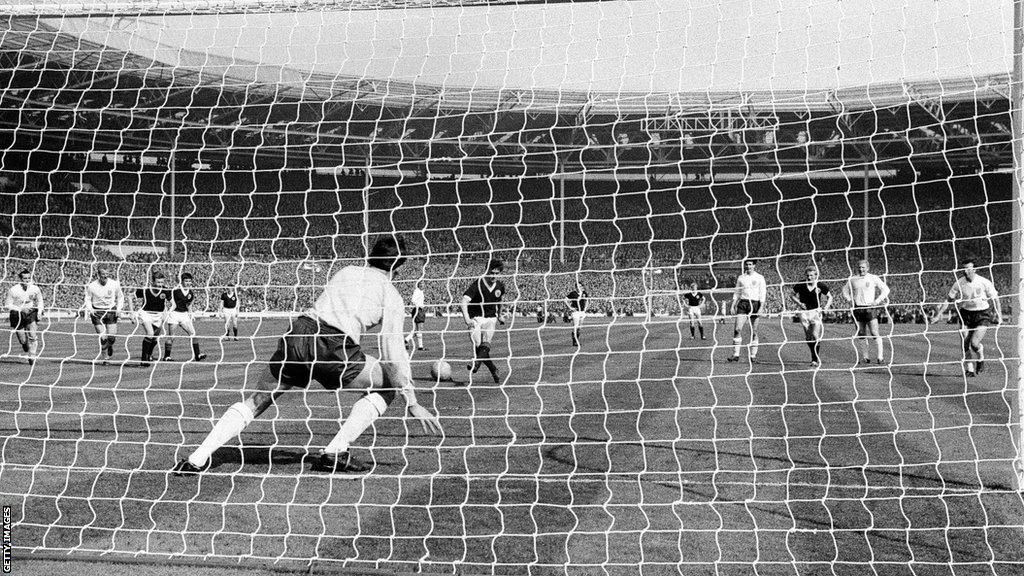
[(634, 244)]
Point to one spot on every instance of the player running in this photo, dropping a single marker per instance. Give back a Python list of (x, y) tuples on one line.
[(182, 298), (419, 316), (25, 303), (104, 300), (972, 294), (750, 294), (229, 308), (577, 301), (481, 309), (867, 292), (813, 298), (151, 316), (694, 304), (323, 344)]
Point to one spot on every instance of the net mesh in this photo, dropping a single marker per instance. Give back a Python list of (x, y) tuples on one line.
[(230, 141)]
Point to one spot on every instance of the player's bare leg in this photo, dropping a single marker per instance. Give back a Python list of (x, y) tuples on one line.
[(190, 330), (231, 423), (754, 340), (737, 337), (168, 342), (978, 348), (862, 336), (874, 333), (476, 338)]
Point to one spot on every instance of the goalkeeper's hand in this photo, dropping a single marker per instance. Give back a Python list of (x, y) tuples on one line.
[(431, 424)]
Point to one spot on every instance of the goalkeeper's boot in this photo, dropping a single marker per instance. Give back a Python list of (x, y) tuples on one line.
[(980, 364), (340, 462), (734, 358), (186, 468)]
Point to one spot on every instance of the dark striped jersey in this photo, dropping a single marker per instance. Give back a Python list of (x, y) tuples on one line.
[(577, 301), (182, 299), (153, 299), (484, 298), (812, 297), (229, 300), (693, 299)]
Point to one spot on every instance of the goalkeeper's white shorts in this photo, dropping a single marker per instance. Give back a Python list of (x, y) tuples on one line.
[(693, 312)]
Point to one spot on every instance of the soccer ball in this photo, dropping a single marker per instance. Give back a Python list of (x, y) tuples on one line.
[(441, 371)]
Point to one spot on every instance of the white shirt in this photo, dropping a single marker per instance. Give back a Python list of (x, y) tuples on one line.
[(358, 298), (751, 287), (418, 299), (104, 296), (974, 294), (20, 299), (865, 290)]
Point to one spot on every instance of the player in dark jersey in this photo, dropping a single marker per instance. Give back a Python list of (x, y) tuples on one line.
[(694, 304), (152, 314), (481, 309), (229, 308), (813, 298), (182, 298), (577, 301)]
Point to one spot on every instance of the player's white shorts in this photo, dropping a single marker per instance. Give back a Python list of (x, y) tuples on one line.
[(693, 312), (482, 329), (577, 317), (231, 313), (154, 319), (183, 319), (808, 317)]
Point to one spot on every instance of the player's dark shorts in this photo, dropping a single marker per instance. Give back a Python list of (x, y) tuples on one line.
[(867, 314), (315, 351), (103, 317), (972, 319), (22, 320), (419, 315), (748, 308)]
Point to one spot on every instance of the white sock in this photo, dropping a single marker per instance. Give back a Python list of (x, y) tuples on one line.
[(753, 346), (736, 343), (980, 352), (864, 347), (878, 347), (419, 339), (231, 424), (365, 412)]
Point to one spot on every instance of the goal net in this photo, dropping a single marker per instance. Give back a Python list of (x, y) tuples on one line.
[(643, 151)]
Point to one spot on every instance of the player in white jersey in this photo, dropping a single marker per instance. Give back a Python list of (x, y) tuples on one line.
[(750, 294), (977, 304), (419, 316), (25, 303), (104, 300), (868, 293), (324, 345)]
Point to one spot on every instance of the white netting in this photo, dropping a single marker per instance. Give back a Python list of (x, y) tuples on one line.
[(636, 147)]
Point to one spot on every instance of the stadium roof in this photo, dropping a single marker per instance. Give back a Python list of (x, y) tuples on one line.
[(147, 88)]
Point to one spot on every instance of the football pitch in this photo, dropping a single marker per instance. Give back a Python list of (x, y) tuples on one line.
[(643, 451)]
